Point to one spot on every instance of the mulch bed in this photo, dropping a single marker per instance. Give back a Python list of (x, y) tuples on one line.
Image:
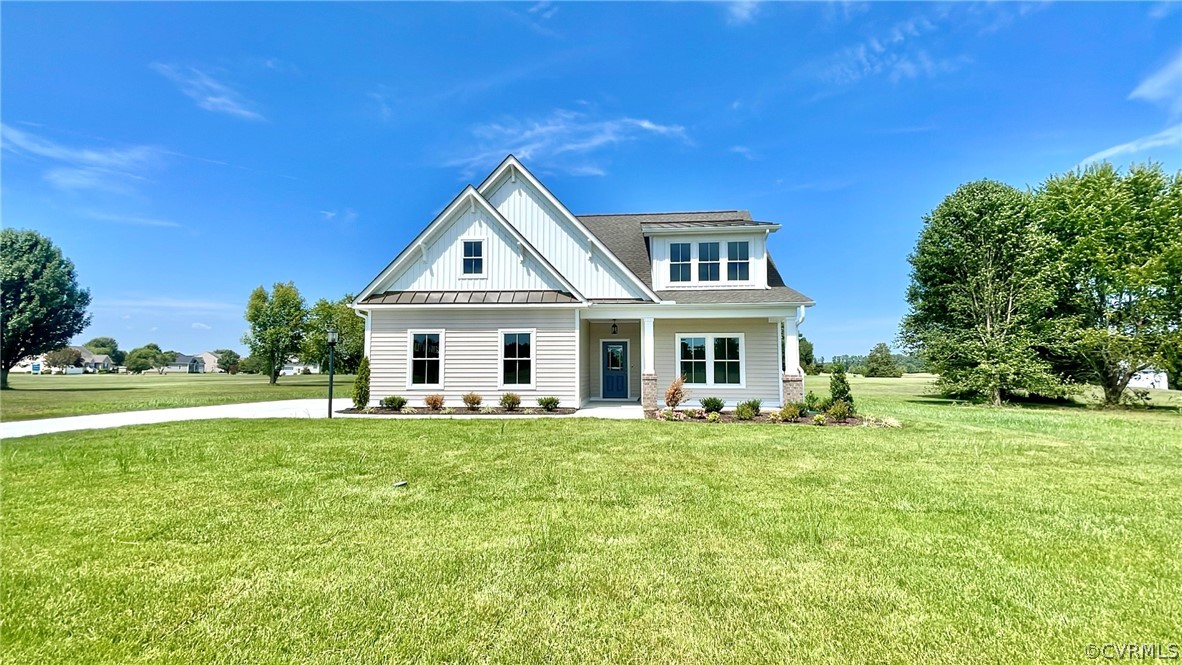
[(853, 421), (496, 411)]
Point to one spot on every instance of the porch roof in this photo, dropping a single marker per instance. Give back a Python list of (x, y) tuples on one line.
[(469, 298)]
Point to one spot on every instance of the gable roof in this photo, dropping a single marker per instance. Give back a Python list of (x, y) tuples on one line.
[(469, 193), (511, 163), (624, 235)]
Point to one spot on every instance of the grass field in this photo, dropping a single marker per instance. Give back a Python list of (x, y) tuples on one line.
[(76, 395), (971, 534)]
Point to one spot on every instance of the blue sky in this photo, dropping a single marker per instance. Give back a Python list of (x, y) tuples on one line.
[(182, 154)]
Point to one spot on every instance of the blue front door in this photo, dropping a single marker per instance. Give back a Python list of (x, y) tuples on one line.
[(615, 370)]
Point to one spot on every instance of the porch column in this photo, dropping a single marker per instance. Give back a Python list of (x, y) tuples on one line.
[(648, 365), (792, 380)]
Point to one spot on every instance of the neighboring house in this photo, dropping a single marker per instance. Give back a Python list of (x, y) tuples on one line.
[(294, 366), (184, 364), (210, 363), (1150, 377), (93, 362), (507, 291)]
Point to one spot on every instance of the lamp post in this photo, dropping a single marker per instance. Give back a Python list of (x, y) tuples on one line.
[(332, 345)]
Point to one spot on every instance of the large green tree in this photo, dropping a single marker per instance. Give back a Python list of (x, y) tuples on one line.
[(107, 346), (979, 292), (228, 360), (350, 328), (41, 303), (881, 363), (276, 326), (1117, 244)]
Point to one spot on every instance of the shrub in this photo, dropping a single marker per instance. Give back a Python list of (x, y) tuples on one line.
[(698, 413), (713, 417), (747, 410), (409, 409), (819, 419), (667, 414), (790, 412), (712, 404), (548, 403), (811, 401), (447, 410), (823, 404), (839, 387), (510, 401), (676, 393), (529, 412), (488, 409), (394, 402), (434, 402), (361, 384), (775, 417), (840, 411), (472, 401)]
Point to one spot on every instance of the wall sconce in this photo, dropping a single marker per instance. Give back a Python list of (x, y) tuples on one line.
[(615, 328)]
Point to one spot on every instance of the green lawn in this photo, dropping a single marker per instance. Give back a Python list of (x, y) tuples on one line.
[(972, 534), (76, 395)]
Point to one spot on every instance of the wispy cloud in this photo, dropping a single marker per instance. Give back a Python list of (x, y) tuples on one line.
[(1163, 87), (565, 141), (744, 151), (202, 326), (115, 169), (893, 53), (129, 219), (741, 11), (159, 304), (1167, 138), (544, 10), (1161, 10), (209, 93), (344, 216)]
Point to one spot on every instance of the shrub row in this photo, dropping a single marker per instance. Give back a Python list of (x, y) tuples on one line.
[(509, 402)]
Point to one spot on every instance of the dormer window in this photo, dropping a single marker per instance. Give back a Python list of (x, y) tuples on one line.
[(474, 258), (679, 262), (708, 262), (738, 261)]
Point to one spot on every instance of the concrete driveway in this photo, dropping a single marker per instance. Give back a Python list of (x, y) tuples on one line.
[(291, 408)]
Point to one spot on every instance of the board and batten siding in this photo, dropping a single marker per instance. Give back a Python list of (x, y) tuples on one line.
[(504, 269), (562, 243), (471, 353), (597, 331), (761, 358)]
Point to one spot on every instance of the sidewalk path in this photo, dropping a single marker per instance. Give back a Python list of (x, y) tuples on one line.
[(291, 408)]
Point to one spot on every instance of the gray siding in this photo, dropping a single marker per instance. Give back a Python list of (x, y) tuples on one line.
[(761, 358), (471, 353)]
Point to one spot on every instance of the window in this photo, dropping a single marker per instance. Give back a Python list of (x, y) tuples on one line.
[(517, 358), (679, 262), (473, 257), (693, 359), (711, 359), (426, 355), (738, 267), (726, 360), (707, 262)]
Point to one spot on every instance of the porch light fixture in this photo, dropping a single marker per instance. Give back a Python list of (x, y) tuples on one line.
[(615, 328), (332, 345)]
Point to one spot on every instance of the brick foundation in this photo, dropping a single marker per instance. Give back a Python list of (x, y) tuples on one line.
[(648, 391), (793, 388)]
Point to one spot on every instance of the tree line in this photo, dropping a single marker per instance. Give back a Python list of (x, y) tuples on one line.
[(1035, 293)]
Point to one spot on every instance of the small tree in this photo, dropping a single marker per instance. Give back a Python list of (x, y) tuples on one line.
[(276, 326), (228, 360), (63, 358), (361, 384), (881, 363), (808, 361), (839, 386), (350, 329), (41, 304), (106, 346), (676, 393)]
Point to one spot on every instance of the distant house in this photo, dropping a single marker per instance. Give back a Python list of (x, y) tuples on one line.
[(211, 362), (93, 362), (184, 364), (294, 366), (1150, 377)]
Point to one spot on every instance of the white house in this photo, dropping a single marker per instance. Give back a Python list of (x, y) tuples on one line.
[(209, 362), (507, 291), (1150, 377)]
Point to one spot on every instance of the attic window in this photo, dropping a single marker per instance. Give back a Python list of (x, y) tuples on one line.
[(679, 262), (738, 266), (473, 257)]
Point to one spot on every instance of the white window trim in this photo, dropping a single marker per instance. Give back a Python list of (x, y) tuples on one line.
[(742, 384), (533, 359), (410, 346), (756, 262), (483, 274), (698, 262), (627, 368)]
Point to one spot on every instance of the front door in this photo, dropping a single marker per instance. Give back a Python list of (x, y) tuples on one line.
[(615, 370)]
